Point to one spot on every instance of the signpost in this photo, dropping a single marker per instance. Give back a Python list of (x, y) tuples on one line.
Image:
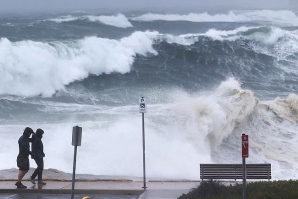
[(244, 155), (76, 141), (143, 109)]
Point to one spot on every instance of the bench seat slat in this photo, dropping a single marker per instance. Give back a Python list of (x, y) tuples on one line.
[(234, 171)]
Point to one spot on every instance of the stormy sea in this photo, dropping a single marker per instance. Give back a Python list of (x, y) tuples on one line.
[(207, 78)]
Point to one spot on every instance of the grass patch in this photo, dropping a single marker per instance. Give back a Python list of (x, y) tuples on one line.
[(255, 190)]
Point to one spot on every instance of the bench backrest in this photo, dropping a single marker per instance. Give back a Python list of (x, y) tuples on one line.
[(234, 171)]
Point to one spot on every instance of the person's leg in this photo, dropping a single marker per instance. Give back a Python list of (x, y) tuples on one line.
[(21, 175), (40, 170), (23, 164), (36, 171), (40, 173)]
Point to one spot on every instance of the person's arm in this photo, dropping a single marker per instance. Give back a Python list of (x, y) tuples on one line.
[(44, 155), (32, 138), (24, 147)]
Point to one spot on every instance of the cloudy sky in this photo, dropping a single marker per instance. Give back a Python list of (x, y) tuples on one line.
[(23, 6)]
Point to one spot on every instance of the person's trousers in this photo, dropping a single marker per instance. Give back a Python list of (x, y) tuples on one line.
[(39, 169)]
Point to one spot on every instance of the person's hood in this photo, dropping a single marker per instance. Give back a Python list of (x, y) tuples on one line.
[(27, 132), (39, 133)]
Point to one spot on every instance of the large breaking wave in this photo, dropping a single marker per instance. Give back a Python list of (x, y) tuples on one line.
[(35, 68), (46, 67)]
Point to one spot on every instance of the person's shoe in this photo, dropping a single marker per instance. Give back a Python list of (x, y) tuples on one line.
[(23, 186), (20, 185), (32, 180), (17, 184), (41, 183)]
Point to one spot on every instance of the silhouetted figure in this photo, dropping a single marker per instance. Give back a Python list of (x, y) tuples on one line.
[(37, 149), (23, 156)]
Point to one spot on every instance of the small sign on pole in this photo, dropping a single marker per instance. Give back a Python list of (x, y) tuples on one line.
[(76, 136), (245, 146), (142, 106)]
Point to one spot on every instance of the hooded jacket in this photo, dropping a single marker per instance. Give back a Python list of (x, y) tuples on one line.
[(37, 145), (24, 147)]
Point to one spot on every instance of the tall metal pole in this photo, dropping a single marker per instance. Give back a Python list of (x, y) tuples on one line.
[(243, 179), (144, 167), (74, 171)]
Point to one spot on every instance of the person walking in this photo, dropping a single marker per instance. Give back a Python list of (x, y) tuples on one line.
[(37, 149), (23, 156)]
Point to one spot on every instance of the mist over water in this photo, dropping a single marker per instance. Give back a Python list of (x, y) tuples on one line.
[(207, 78)]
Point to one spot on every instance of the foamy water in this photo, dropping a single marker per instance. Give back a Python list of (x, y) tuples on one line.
[(189, 130)]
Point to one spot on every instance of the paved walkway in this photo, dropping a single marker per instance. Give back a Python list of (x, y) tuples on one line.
[(62, 189)]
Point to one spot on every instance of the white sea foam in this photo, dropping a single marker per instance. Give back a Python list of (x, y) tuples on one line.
[(227, 34), (267, 36), (185, 40), (62, 19), (118, 20), (8, 24), (203, 17), (283, 17), (180, 134), (285, 42)]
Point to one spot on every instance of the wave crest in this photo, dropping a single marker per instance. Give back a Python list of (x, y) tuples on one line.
[(32, 68), (282, 17), (118, 20)]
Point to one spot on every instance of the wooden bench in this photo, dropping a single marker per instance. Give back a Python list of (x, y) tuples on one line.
[(234, 171)]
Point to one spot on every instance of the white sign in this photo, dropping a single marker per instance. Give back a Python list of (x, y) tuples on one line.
[(142, 106)]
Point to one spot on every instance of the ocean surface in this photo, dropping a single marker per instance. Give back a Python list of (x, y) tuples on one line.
[(207, 78)]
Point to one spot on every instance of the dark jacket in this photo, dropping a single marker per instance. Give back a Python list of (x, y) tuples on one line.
[(37, 147), (24, 149)]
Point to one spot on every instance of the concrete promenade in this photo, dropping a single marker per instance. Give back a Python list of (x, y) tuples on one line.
[(62, 189), (59, 186)]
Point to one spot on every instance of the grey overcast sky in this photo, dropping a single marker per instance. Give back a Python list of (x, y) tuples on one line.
[(25, 6)]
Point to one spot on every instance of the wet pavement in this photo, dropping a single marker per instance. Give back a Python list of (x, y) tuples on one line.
[(126, 189), (63, 196)]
